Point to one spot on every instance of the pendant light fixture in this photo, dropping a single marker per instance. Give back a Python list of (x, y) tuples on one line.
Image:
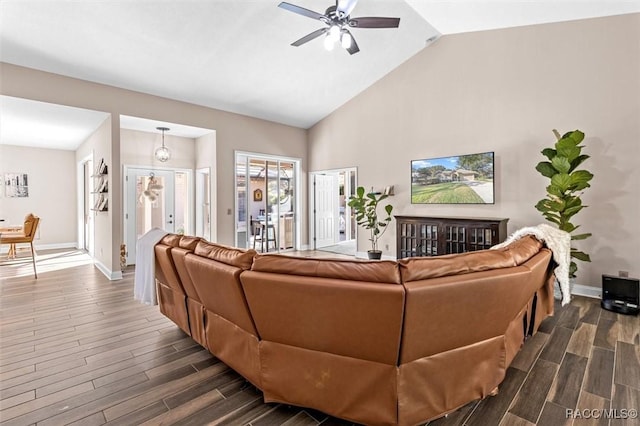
[(163, 154)]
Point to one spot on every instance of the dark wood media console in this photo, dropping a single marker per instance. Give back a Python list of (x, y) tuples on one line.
[(432, 236)]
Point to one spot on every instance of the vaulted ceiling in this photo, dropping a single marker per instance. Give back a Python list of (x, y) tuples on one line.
[(235, 55)]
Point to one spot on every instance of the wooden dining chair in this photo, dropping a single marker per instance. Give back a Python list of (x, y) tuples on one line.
[(23, 236)]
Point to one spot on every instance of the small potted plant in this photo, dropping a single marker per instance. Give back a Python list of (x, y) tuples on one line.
[(365, 207)]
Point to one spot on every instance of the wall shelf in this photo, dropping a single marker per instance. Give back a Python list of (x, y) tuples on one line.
[(101, 187)]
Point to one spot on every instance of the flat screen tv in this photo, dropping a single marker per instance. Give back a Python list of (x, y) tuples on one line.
[(461, 179)]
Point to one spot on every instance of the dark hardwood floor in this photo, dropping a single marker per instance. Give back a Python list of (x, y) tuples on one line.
[(75, 348)]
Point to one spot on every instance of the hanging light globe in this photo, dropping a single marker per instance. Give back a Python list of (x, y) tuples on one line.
[(162, 153)]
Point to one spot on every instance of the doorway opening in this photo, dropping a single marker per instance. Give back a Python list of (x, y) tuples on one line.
[(85, 203), (333, 222), (267, 206)]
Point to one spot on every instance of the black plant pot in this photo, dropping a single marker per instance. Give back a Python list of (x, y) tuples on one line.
[(374, 254)]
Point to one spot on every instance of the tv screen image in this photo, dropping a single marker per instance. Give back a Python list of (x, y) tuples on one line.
[(462, 179)]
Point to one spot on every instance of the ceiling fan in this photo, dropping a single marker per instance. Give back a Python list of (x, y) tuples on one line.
[(338, 21)]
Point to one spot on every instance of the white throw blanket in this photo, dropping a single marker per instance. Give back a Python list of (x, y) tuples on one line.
[(144, 286), (559, 242)]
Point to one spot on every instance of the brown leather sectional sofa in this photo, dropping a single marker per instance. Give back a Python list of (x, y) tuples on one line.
[(374, 342)]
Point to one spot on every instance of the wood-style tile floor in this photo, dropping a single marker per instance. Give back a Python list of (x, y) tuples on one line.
[(75, 348)]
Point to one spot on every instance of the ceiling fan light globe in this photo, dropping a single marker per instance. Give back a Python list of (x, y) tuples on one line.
[(345, 40), (162, 154), (334, 33), (329, 43)]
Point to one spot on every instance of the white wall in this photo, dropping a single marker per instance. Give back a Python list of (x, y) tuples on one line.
[(52, 193), (504, 91)]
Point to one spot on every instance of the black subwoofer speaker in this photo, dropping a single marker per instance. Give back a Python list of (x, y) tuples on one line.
[(620, 294)]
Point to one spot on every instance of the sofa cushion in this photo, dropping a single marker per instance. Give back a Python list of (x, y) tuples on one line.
[(422, 268), (188, 243), (232, 256), (523, 248), (171, 240), (385, 271)]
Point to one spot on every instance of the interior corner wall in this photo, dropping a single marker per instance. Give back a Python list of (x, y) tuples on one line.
[(98, 145), (504, 91), (51, 184)]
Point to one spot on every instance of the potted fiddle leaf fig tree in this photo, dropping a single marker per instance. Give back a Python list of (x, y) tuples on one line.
[(365, 207), (567, 184)]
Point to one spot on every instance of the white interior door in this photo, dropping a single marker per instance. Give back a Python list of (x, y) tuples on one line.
[(150, 204), (326, 209)]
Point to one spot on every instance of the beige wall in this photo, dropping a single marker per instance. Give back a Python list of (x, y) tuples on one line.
[(206, 159), (52, 193), (233, 132), (137, 149), (98, 147), (504, 91)]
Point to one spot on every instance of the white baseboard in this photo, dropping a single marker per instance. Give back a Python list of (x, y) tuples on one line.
[(587, 291), (56, 246), (5, 247), (579, 290), (111, 275)]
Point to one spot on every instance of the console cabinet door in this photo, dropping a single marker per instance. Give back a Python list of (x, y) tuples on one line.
[(431, 236)]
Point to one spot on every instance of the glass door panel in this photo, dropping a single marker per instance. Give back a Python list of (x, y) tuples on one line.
[(352, 216), (286, 211), (203, 204), (273, 205), (181, 222), (150, 204)]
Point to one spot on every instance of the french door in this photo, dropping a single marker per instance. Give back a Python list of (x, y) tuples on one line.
[(267, 207), (155, 199)]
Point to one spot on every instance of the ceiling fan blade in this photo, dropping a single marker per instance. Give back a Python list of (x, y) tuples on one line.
[(345, 6), (374, 22), (354, 46), (301, 10), (309, 37)]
